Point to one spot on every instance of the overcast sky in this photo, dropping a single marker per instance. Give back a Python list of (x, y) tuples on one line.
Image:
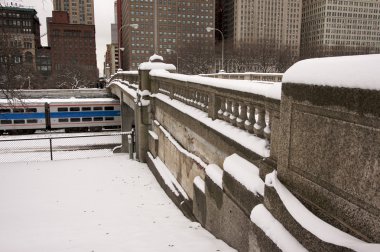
[(104, 16)]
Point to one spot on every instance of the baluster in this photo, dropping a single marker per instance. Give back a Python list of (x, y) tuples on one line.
[(259, 126), (242, 116), (235, 113), (198, 100), (267, 129), (205, 102), (188, 94), (226, 114), (248, 124), (222, 108)]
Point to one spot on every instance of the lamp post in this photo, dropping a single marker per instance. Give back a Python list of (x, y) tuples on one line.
[(208, 29), (134, 26), (174, 51)]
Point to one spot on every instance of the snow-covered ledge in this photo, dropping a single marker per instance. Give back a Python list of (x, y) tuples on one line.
[(348, 71), (313, 224)]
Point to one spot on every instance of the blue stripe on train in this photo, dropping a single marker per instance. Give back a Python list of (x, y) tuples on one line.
[(84, 114), (11, 116)]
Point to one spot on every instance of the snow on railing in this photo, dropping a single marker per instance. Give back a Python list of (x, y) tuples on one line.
[(248, 105)]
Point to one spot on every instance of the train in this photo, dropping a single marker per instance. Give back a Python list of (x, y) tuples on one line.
[(25, 116)]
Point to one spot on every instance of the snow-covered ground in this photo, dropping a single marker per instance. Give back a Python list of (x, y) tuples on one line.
[(93, 204)]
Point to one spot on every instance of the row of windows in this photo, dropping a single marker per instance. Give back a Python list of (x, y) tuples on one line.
[(18, 121), (19, 110), (65, 109), (87, 119)]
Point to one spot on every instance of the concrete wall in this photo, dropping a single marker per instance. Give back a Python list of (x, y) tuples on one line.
[(324, 146)]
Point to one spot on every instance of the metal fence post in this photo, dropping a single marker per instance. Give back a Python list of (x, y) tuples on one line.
[(51, 149), (130, 145)]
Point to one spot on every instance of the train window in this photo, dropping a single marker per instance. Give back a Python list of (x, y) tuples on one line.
[(86, 119), (98, 108), (63, 120), (31, 121), (5, 110), (31, 110), (63, 109), (97, 119), (74, 109), (109, 108), (19, 121), (6, 122), (109, 118), (18, 110), (86, 108), (74, 119)]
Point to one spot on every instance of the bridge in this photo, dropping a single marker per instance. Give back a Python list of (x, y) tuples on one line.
[(265, 166)]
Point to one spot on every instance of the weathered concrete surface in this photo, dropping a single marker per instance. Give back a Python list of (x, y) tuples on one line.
[(330, 154)]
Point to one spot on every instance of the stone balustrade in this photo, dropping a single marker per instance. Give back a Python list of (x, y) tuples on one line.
[(247, 111)]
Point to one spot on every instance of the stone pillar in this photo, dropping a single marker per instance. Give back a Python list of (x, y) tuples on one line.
[(142, 118), (128, 119)]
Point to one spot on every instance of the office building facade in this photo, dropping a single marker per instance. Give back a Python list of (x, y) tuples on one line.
[(263, 21), (72, 45), (80, 11), (19, 35), (181, 28), (333, 27)]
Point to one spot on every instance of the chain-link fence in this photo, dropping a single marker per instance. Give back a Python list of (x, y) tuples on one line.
[(59, 147)]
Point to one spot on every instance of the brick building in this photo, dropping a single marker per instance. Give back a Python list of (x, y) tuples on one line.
[(19, 34), (72, 45), (80, 11)]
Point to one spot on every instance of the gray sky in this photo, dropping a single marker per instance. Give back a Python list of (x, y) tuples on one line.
[(104, 16)]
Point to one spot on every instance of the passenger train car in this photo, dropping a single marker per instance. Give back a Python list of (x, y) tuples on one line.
[(72, 115)]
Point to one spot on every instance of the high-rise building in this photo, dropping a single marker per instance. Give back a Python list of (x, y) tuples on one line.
[(19, 35), (181, 28), (331, 27), (72, 45), (277, 22), (80, 11)]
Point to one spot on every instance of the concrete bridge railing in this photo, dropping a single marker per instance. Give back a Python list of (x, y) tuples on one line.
[(317, 186)]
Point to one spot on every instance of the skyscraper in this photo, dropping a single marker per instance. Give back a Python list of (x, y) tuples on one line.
[(80, 11), (263, 21), (181, 28), (332, 27)]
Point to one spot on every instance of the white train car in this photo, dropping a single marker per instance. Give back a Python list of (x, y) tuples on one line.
[(73, 115)]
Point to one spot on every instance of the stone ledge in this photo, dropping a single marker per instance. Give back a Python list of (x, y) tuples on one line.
[(312, 243), (185, 205), (238, 193)]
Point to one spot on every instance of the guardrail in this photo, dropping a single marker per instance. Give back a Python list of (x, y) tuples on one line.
[(35, 148)]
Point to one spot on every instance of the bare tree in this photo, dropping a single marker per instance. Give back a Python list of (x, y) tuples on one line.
[(73, 77)]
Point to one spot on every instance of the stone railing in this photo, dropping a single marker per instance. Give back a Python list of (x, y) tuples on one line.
[(247, 111), (130, 76), (276, 77)]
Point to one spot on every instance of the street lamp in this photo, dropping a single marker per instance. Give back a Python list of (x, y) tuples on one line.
[(134, 26), (173, 51), (208, 29)]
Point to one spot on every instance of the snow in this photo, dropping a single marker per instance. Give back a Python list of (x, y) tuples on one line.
[(348, 72), (313, 224), (156, 57), (73, 100), (275, 230), (263, 88), (244, 172), (156, 65), (125, 87), (168, 177), (242, 137), (153, 135), (97, 204), (215, 173), (200, 184)]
